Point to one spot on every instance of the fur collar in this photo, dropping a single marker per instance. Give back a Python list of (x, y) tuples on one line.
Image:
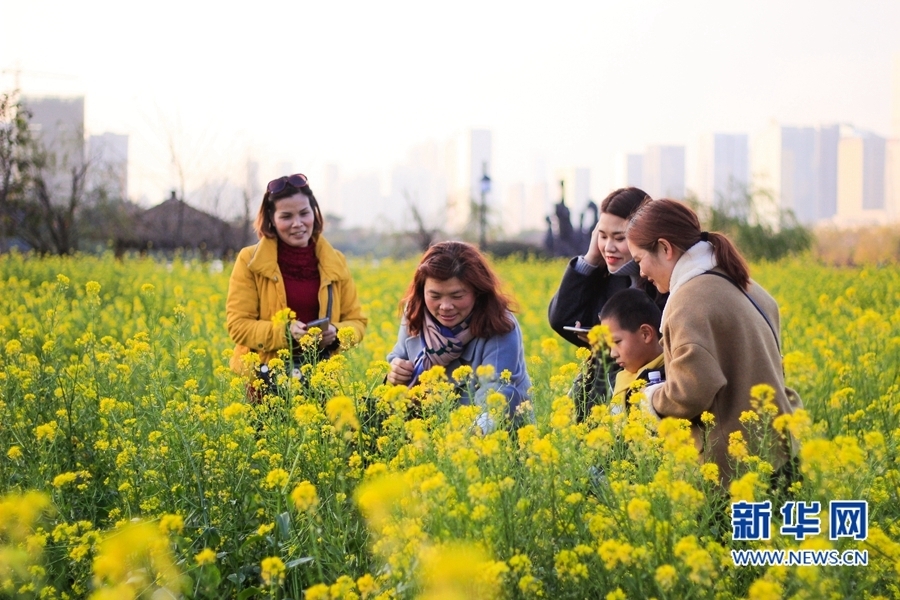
[(697, 260)]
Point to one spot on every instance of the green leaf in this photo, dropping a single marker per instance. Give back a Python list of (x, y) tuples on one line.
[(248, 593), (298, 561), (283, 521)]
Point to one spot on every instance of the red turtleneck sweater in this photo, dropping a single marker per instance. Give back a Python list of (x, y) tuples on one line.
[(300, 269)]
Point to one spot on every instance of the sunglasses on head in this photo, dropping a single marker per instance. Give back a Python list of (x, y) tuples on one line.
[(298, 180)]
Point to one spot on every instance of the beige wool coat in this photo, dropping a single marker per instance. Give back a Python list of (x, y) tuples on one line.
[(717, 346)]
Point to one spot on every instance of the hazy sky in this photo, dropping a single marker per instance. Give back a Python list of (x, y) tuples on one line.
[(359, 83)]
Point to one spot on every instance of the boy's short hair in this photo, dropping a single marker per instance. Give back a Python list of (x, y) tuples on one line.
[(632, 308)]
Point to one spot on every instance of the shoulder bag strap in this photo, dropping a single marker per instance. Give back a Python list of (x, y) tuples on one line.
[(752, 301), (330, 300)]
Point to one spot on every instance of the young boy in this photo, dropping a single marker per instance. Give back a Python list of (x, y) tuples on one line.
[(633, 320)]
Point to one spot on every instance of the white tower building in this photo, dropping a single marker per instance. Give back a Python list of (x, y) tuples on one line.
[(664, 172)]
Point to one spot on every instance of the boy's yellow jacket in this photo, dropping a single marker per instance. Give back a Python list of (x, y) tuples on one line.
[(625, 378)]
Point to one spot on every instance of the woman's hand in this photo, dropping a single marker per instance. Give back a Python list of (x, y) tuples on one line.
[(297, 329), (593, 256), (326, 338), (581, 336), (401, 371), (329, 335)]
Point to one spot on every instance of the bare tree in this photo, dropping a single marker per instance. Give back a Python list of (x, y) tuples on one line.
[(423, 235), (16, 150), (43, 189)]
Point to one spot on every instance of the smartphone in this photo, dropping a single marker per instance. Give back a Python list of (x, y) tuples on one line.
[(322, 323), (576, 329)]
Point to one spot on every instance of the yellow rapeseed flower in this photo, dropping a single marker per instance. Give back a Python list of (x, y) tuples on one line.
[(762, 589), (272, 571), (64, 478), (281, 319), (615, 553), (305, 497), (171, 524), (638, 509), (710, 472), (457, 571), (320, 591), (346, 337), (207, 556), (341, 412), (745, 488), (737, 447), (276, 478), (138, 555), (47, 431), (485, 372), (599, 337), (666, 576), (235, 410), (366, 585)]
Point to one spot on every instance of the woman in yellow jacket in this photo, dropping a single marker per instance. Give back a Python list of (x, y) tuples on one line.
[(293, 266)]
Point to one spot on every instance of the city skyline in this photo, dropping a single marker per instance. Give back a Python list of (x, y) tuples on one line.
[(357, 89)]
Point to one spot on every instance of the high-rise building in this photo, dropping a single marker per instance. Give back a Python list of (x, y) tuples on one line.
[(365, 206), (798, 167), (664, 172), (895, 99), (252, 183), (798, 172), (723, 167), (892, 180), (861, 177), (629, 170), (826, 169), (58, 124), (515, 209), (108, 169), (469, 160)]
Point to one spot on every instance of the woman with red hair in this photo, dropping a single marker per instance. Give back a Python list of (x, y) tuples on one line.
[(454, 314)]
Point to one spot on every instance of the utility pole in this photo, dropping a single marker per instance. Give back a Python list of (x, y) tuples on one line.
[(482, 209)]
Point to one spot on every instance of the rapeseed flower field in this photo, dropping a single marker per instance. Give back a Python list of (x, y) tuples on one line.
[(132, 464)]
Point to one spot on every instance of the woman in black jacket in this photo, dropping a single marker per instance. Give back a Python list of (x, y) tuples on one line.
[(590, 280)]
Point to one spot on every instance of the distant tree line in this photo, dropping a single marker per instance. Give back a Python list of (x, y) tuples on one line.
[(753, 220)]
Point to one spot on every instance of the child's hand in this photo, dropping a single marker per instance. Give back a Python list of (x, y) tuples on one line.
[(647, 402)]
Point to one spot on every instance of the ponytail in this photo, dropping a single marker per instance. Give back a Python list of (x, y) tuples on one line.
[(729, 259), (677, 223)]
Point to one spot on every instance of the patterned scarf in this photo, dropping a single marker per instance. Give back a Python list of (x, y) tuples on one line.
[(442, 345)]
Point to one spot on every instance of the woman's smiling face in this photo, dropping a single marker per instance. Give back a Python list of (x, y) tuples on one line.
[(294, 220), (450, 302), (611, 241), (656, 267)]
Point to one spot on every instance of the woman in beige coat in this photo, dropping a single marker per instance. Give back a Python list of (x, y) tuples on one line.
[(720, 330)]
